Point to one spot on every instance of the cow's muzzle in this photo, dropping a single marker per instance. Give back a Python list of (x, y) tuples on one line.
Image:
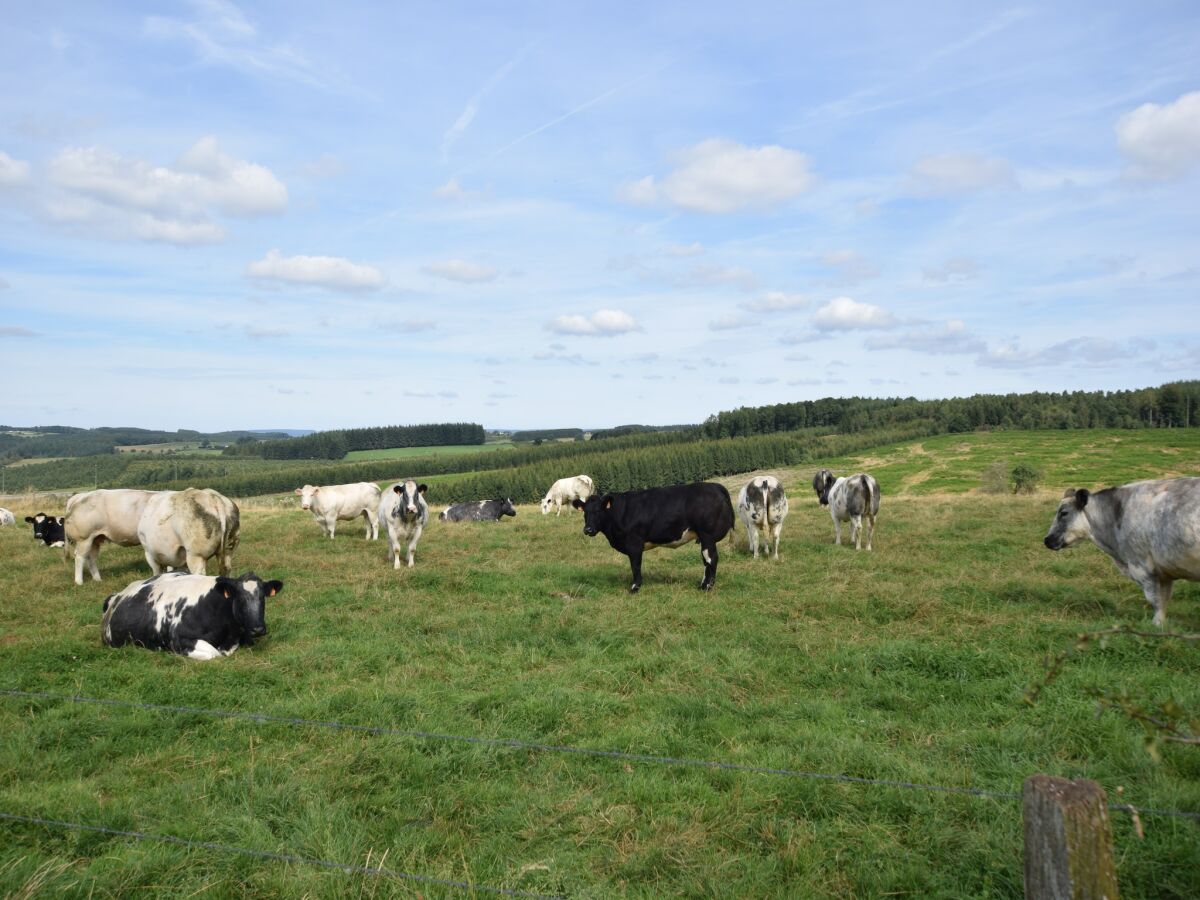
[(590, 532), (1054, 542)]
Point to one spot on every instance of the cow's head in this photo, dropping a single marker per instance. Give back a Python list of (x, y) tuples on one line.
[(38, 521), (595, 513), (248, 595), (546, 502), (1070, 523), (307, 493), (822, 484), (507, 508), (410, 497)]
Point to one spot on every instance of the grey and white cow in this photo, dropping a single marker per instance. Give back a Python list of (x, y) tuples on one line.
[(94, 517), (333, 502), (404, 513), (478, 511), (198, 616), (1151, 529), (762, 506), (188, 528), (849, 498), (6, 517)]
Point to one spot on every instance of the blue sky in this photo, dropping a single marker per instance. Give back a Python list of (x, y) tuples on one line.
[(218, 215)]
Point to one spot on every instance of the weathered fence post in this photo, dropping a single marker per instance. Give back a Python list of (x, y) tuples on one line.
[(1068, 841)]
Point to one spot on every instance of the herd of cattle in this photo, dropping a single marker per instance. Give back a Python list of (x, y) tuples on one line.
[(1151, 529)]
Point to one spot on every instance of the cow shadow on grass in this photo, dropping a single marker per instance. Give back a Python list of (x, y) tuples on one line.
[(1084, 602)]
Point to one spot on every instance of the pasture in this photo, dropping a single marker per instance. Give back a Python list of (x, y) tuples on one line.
[(411, 452), (907, 664)]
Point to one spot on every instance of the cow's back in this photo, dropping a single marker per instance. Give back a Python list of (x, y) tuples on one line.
[(114, 513), (661, 514)]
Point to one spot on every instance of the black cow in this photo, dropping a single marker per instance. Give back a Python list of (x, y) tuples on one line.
[(199, 616), (478, 511), (47, 529), (636, 521)]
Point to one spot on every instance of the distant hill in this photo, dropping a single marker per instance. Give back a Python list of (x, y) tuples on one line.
[(290, 432), (35, 441)]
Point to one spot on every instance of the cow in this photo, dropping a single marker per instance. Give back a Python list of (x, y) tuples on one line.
[(762, 505), (478, 511), (188, 528), (636, 521), (198, 616), (47, 529), (331, 502), (1151, 529), (404, 513), (565, 492), (94, 517), (6, 517), (849, 498)]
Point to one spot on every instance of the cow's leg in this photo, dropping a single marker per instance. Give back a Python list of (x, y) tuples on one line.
[(155, 568), (81, 552), (635, 565), (870, 529), (856, 532), (202, 650), (752, 538), (837, 530), (93, 559), (373, 521), (777, 530), (331, 525), (412, 545), (1158, 592), (196, 564), (557, 508), (708, 553), (367, 521)]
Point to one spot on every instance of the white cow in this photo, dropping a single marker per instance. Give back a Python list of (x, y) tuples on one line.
[(189, 528), (331, 502), (6, 517), (565, 491), (762, 505), (404, 514), (849, 498), (94, 517)]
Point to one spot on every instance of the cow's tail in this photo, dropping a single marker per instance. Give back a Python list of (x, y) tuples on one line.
[(866, 483), (766, 489)]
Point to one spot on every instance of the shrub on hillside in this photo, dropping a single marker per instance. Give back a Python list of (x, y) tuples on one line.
[(1025, 479)]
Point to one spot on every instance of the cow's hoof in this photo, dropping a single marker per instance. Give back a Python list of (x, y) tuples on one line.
[(634, 588), (706, 585)]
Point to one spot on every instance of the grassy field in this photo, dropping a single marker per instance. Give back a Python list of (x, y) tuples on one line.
[(905, 664), (408, 452)]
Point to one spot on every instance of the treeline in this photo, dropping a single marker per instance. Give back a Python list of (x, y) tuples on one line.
[(549, 434), (623, 430), (60, 440), (336, 444), (1169, 406)]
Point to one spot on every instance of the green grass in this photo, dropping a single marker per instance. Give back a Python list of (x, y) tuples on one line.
[(907, 664), (446, 450)]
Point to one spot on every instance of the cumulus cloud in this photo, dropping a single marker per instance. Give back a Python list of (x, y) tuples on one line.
[(333, 273), (1161, 142), (952, 337), (958, 173), (710, 276), (12, 171), (602, 323), (1086, 352), (776, 302), (722, 176), (852, 267), (460, 270), (952, 270), (127, 197), (845, 314)]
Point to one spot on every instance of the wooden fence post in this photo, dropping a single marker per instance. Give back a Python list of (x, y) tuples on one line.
[(1068, 840)]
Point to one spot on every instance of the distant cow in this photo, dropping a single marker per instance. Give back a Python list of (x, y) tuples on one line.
[(94, 517), (404, 513), (636, 521), (47, 529), (1151, 529), (478, 511), (565, 492), (762, 506), (331, 502), (188, 528), (849, 499), (6, 517), (199, 616)]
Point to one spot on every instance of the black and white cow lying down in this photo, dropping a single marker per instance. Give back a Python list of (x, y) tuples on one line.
[(198, 616), (478, 511), (47, 529), (636, 521), (1151, 529)]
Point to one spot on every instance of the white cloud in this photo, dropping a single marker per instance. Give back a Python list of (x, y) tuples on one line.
[(1085, 352), (953, 337), (12, 171), (709, 275), (452, 190), (1161, 142), (776, 302), (730, 322), (602, 323), (330, 272), (126, 197), (845, 314), (406, 326), (957, 173), (460, 270), (952, 270), (852, 266), (723, 176)]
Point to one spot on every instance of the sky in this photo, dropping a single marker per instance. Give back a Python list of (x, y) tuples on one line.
[(219, 215)]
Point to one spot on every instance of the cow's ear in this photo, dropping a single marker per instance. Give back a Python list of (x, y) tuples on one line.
[(398, 488), (1069, 492), (1081, 498), (31, 520), (271, 588), (227, 586), (607, 502), (299, 491), (422, 488), (577, 503)]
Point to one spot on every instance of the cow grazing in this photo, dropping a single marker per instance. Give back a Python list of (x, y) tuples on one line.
[(47, 529), (478, 511), (198, 616), (404, 513), (565, 492), (849, 498), (763, 506), (94, 517), (6, 517), (1151, 529), (188, 528), (636, 521), (331, 502)]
